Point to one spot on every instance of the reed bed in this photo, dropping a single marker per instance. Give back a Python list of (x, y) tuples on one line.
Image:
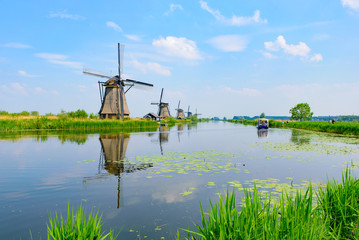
[(345, 128), (77, 226), (71, 124), (334, 216)]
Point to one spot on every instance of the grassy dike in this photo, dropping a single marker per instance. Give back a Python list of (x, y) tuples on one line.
[(334, 214), (66, 123), (345, 128)]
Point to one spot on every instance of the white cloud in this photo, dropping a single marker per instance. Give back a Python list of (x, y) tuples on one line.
[(16, 45), (173, 7), (152, 67), (114, 26), (301, 49), (229, 43), (177, 47), (235, 20), (269, 55), (316, 58), (63, 14), (25, 74), (244, 92), (39, 90), (133, 37), (59, 59), (353, 4), (15, 89)]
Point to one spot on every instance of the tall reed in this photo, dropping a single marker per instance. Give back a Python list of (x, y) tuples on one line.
[(260, 218), (77, 226), (334, 216), (340, 205)]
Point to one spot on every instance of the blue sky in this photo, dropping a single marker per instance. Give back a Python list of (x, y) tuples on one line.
[(223, 58)]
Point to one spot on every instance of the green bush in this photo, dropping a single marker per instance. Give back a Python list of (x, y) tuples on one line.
[(34, 113), (3, 112)]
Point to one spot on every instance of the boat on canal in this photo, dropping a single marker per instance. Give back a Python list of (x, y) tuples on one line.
[(262, 123)]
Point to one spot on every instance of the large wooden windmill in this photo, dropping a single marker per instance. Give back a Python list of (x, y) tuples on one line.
[(112, 93), (180, 113), (163, 110)]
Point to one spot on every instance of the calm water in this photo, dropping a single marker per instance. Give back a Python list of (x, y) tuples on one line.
[(149, 184)]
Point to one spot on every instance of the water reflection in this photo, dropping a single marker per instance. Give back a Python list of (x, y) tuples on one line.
[(299, 137), (112, 159), (262, 133)]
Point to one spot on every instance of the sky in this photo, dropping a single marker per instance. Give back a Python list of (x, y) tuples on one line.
[(221, 58)]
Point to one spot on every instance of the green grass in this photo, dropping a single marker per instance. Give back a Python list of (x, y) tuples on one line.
[(345, 128), (77, 226), (45, 123), (340, 204), (334, 216)]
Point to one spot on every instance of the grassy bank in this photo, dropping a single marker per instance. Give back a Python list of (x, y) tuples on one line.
[(345, 128), (66, 123), (333, 216)]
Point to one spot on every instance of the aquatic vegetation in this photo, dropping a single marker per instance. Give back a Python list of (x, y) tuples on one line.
[(198, 162), (318, 148), (293, 216), (77, 226)]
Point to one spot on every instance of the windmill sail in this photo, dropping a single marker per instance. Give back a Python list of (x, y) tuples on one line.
[(113, 100)]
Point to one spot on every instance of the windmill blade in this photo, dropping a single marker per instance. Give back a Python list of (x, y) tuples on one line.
[(161, 95), (153, 103), (179, 103), (138, 82), (96, 74)]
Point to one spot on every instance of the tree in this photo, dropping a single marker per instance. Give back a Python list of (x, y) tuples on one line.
[(262, 115), (301, 112), (34, 113)]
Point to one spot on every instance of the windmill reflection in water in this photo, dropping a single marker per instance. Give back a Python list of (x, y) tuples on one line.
[(112, 159)]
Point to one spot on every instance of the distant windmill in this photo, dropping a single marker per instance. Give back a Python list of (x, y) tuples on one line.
[(180, 113), (197, 114), (113, 100), (163, 110), (189, 114)]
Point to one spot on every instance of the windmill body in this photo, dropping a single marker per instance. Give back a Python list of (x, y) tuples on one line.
[(111, 107), (180, 112), (112, 93), (163, 109)]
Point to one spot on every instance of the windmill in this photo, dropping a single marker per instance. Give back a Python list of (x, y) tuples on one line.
[(180, 114), (197, 114), (189, 114), (163, 110), (113, 100)]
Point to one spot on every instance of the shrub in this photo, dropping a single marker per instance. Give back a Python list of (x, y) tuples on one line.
[(34, 113)]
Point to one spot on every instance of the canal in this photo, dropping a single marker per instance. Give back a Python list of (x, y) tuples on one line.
[(150, 184)]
